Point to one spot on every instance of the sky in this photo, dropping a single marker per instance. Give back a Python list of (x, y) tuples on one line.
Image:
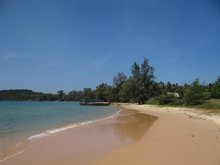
[(48, 45)]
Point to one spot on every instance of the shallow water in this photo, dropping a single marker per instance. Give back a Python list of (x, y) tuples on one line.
[(23, 120), (87, 143)]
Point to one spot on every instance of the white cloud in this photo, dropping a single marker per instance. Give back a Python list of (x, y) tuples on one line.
[(6, 55)]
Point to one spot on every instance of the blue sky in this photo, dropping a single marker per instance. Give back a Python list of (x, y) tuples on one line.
[(47, 45)]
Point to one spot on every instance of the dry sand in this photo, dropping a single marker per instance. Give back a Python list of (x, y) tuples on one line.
[(175, 138)]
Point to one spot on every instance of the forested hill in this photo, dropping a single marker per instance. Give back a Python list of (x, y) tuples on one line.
[(24, 94)]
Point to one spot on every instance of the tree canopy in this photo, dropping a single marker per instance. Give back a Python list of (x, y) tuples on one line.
[(139, 87)]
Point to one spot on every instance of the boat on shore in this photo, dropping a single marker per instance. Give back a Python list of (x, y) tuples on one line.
[(83, 103)]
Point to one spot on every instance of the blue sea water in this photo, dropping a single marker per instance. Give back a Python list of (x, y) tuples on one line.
[(28, 119)]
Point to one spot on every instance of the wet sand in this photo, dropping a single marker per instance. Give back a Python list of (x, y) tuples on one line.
[(175, 138), (84, 144), (153, 136)]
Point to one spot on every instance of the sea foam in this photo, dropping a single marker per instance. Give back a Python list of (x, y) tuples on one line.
[(69, 126)]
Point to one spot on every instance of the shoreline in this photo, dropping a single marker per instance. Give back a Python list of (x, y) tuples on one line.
[(143, 134), (26, 120), (177, 137), (69, 126), (190, 112), (26, 142), (85, 143)]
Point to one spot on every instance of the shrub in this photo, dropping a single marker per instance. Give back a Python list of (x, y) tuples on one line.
[(194, 94), (153, 101), (177, 102), (165, 99), (216, 90)]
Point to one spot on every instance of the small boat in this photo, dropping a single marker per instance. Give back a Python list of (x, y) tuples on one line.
[(95, 103)]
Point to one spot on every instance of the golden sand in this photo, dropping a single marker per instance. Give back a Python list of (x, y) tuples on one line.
[(174, 138), (164, 136)]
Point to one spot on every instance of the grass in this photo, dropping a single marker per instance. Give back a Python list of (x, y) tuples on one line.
[(212, 105), (209, 106)]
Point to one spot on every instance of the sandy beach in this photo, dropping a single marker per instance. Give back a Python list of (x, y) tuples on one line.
[(140, 134), (86, 143), (175, 138)]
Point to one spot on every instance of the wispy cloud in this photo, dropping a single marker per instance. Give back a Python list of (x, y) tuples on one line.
[(7, 56)]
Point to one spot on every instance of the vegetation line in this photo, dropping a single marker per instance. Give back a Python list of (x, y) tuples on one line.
[(140, 87)]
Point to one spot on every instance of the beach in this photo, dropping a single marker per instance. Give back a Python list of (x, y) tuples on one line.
[(140, 134), (85, 143), (175, 138)]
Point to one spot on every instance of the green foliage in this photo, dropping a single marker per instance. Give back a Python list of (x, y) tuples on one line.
[(127, 91), (206, 95), (211, 104), (118, 82), (88, 94), (119, 79), (140, 88), (194, 94), (135, 71), (60, 95), (177, 102), (165, 99), (25, 94), (153, 101), (215, 90), (143, 78), (74, 95), (103, 92)]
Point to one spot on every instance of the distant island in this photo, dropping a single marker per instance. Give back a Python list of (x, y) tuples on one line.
[(140, 87)]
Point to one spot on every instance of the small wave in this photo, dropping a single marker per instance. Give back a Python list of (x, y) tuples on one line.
[(69, 126), (49, 132), (17, 153)]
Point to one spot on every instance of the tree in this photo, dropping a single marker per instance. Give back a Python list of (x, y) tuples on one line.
[(194, 94), (74, 95), (126, 93), (103, 92), (118, 81), (135, 82), (61, 95), (143, 77), (135, 71), (169, 87), (88, 94), (215, 89), (147, 80)]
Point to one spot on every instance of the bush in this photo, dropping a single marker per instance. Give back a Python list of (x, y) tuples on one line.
[(194, 94), (177, 102), (216, 90), (153, 101), (165, 99), (206, 95)]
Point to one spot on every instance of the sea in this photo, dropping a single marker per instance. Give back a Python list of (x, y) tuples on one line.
[(22, 121)]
